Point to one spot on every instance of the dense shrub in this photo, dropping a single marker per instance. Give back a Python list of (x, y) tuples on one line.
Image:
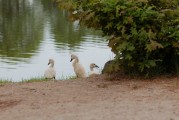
[(144, 33)]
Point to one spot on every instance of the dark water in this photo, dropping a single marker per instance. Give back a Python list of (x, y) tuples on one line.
[(32, 31)]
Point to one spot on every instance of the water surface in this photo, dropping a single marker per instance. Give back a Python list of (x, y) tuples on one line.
[(32, 31)]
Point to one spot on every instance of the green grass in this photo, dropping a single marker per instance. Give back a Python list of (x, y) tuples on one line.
[(41, 79), (37, 79), (3, 82)]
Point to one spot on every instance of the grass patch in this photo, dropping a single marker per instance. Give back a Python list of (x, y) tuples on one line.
[(4, 82), (35, 79)]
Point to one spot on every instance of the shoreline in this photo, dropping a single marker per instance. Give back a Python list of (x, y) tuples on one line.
[(97, 98)]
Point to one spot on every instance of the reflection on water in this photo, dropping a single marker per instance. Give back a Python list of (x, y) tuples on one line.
[(32, 31)]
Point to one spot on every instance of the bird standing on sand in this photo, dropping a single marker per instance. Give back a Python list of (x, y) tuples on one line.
[(50, 71), (78, 68), (92, 72)]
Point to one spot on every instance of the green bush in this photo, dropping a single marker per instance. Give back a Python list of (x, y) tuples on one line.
[(144, 33)]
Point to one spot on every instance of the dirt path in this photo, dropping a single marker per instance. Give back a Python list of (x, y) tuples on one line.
[(99, 98)]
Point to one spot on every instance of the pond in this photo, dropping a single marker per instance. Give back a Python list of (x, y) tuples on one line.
[(32, 31)]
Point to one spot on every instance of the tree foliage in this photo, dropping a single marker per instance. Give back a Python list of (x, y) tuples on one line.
[(144, 33)]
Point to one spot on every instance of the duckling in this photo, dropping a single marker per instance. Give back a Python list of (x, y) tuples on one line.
[(50, 71), (92, 72), (78, 68)]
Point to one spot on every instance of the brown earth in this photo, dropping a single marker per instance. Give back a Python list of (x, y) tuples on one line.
[(99, 98)]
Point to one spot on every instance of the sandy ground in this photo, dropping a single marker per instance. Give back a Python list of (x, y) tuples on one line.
[(99, 98)]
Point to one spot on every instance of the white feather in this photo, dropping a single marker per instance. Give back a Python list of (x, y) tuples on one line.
[(78, 68), (92, 72), (50, 72)]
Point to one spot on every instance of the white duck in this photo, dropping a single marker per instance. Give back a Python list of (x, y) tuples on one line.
[(50, 71), (78, 68), (92, 72)]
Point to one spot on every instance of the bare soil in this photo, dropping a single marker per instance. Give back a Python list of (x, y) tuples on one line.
[(98, 98)]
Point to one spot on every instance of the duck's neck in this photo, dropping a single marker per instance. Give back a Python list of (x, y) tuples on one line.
[(76, 60), (52, 65), (91, 68)]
